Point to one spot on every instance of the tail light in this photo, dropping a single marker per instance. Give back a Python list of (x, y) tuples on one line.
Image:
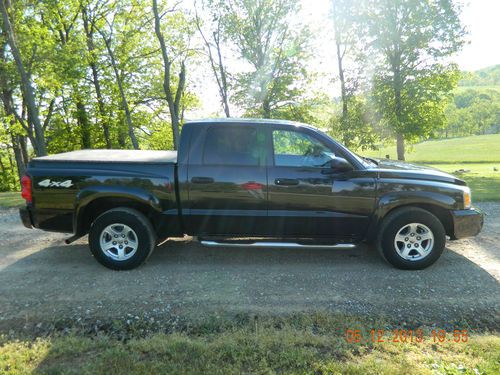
[(26, 191)]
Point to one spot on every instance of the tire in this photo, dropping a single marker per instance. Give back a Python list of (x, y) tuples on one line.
[(411, 238), (123, 227)]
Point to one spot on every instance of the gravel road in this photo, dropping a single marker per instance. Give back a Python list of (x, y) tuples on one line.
[(42, 280)]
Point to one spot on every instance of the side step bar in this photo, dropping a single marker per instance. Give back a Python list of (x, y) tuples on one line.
[(289, 245)]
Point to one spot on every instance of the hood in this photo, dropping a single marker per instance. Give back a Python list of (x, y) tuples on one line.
[(397, 169)]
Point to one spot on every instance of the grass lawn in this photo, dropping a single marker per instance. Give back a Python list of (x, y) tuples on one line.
[(478, 155), (483, 180), (11, 199), (275, 346), (474, 149)]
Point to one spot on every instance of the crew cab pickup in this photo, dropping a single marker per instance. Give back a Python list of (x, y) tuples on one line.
[(247, 182)]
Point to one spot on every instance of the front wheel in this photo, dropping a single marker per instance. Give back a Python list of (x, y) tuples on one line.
[(411, 238), (121, 238)]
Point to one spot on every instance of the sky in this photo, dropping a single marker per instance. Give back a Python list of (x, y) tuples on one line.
[(481, 18)]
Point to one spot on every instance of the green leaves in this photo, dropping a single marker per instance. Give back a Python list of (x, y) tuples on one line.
[(413, 80), (274, 50)]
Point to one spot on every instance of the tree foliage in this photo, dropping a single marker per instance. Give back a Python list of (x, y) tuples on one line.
[(274, 52), (122, 73), (412, 40)]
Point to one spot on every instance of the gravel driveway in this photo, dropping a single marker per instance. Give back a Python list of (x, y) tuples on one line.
[(41, 280)]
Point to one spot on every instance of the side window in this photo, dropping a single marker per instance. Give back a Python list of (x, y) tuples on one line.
[(296, 149), (235, 145)]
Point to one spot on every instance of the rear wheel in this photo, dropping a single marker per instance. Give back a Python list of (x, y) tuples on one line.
[(411, 238), (121, 238)]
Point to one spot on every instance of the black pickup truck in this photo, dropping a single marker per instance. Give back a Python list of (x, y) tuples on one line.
[(241, 182)]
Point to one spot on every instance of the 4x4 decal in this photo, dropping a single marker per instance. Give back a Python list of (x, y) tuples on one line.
[(48, 183)]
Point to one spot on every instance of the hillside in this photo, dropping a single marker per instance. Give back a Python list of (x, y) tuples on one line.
[(489, 76)]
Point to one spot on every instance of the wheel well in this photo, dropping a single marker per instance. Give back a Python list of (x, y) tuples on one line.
[(100, 205), (441, 213)]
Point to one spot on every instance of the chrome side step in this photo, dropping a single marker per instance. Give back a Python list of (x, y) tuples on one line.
[(289, 245)]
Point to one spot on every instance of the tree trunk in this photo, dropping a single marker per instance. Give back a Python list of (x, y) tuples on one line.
[(7, 101), (266, 108), (217, 69), (224, 89), (400, 145), (12, 169), (121, 133), (89, 34), (83, 121), (27, 88), (173, 100), (18, 155), (124, 101), (398, 109), (24, 149), (4, 173), (343, 93), (16, 144)]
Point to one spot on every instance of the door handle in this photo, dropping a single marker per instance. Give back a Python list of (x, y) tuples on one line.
[(286, 181), (202, 180)]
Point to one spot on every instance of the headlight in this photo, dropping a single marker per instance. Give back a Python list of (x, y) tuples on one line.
[(467, 198)]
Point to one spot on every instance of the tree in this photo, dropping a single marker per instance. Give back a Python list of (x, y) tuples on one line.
[(213, 42), (275, 51), (352, 125), (473, 111), (89, 18), (108, 38), (26, 84), (173, 95), (411, 40)]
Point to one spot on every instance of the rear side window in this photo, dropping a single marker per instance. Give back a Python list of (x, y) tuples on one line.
[(236, 145)]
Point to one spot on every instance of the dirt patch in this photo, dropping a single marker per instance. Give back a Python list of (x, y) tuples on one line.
[(44, 282)]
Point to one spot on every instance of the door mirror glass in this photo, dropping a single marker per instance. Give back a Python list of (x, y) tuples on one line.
[(338, 165)]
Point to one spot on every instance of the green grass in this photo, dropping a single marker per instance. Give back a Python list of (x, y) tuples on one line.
[(478, 155), (11, 199), (483, 180), (474, 149), (248, 349)]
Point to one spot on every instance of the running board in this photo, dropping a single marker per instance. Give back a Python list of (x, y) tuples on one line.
[(289, 245)]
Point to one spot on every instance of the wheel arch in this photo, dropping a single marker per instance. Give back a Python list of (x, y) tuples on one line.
[(90, 203), (437, 204)]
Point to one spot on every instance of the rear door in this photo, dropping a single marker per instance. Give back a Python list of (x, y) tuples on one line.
[(227, 182)]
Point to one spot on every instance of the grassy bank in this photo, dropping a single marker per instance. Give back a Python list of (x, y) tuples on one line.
[(254, 348), (11, 199)]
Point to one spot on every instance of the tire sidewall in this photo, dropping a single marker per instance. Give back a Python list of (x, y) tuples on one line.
[(139, 225), (398, 220)]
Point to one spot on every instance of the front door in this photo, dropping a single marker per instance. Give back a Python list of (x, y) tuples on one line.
[(306, 199), (227, 182)]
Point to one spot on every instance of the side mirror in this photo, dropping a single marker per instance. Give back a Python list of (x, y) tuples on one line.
[(339, 165)]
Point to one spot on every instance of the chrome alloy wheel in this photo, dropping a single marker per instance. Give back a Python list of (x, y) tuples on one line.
[(414, 241), (118, 242)]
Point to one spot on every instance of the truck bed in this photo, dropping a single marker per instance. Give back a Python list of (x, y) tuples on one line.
[(111, 156)]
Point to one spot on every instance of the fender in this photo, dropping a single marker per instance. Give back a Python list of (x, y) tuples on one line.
[(89, 194), (392, 200)]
